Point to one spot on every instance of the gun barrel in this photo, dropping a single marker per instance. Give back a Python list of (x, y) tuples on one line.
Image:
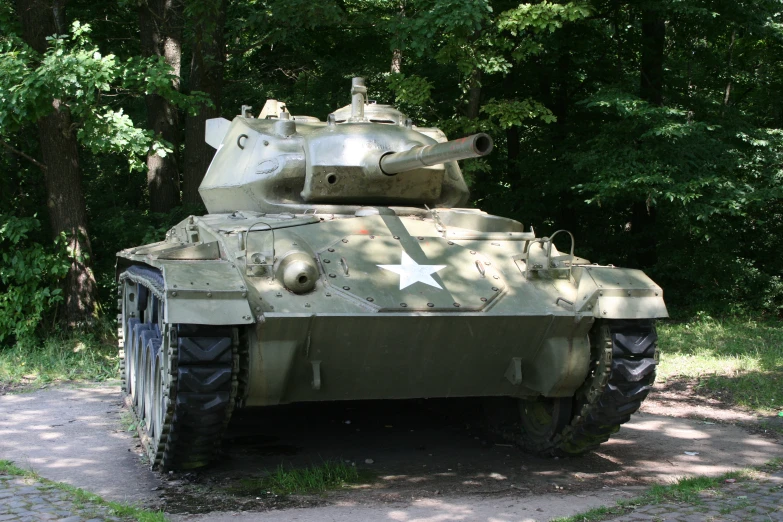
[(473, 146)]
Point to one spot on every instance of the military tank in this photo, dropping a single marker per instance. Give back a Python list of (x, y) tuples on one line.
[(338, 262)]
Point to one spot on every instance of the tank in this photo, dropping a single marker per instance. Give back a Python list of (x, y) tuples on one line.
[(339, 262)]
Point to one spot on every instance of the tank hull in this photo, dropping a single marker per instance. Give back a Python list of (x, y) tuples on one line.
[(480, 323)]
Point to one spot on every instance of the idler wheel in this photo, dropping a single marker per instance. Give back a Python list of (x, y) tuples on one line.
[(544, 418)]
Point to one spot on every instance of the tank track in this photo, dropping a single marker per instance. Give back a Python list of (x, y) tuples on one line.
[(624, 355), (182, 418)]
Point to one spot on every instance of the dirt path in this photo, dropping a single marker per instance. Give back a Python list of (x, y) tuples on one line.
[(425, 464)]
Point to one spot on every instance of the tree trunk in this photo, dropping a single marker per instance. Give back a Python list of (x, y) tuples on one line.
[(160, 22), (474, 95), (396, 63), (653, 40), (206, 74), (643, 214), (727, 92), (62, 174)]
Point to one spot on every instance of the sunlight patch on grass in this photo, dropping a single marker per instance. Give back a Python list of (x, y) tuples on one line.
[(79, 356), (740, 358)]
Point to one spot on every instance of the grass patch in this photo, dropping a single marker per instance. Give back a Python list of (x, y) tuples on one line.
[(684, 490), (312, 479), (81, 497), (740, 360), (76, 356)]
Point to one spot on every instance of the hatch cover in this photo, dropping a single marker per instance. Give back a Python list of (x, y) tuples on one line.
[(425, 274)]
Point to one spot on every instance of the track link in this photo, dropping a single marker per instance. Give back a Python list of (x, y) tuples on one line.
[(181, 380), (629, 348)]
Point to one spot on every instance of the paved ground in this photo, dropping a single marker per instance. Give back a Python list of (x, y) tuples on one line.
[(423, 472), (23, 499)]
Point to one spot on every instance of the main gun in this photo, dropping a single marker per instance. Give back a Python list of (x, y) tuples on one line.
[(474, 146)]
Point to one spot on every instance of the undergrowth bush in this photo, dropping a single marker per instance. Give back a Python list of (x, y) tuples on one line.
[(30, 275)]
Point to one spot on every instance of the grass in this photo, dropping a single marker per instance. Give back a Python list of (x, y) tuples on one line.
[(313, 479), (684, 490), (740, 360), (81, 497), (77, 356)]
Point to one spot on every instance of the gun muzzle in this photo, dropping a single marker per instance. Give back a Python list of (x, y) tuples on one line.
[(473, 146)]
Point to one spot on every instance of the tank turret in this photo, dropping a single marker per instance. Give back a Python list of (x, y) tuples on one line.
[(363, 154)]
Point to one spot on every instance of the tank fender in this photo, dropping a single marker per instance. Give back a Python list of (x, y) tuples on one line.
[(205, 292), (620, 293)]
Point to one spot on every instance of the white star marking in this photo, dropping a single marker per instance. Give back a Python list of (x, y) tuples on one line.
[(412, 272)]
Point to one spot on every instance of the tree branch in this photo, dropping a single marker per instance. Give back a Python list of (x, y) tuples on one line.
[(30, 158)]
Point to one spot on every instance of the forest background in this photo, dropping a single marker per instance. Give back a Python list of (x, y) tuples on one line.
[(653, 130)]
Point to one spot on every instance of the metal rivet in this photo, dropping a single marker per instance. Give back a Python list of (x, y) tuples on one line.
[(451, 242), (244, 294), (307, 305), (629, 292), (600, 293), (332, 275), (173, 294), (241, 287), (487, 263), (209, 294), (266, 143), (175, 286), (330, 249), (472, 251), (345, 240), (456, 305), (372, 237), (404, 305), (327, 261), (656, 293), (495, 244), (370, 299), (396, 237), (604, 312), (346, 288), (430, 304), (258, 308), (328, 294), (494, 288), (420, 238), (496, 277), (483, 299), (279, 294)]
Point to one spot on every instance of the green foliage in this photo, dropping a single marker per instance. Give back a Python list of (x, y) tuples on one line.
[(79, 78), (30, 276)]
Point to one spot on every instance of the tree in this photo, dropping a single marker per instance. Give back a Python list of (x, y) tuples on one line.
[(161, 22), (60, 163), (207, 20)]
